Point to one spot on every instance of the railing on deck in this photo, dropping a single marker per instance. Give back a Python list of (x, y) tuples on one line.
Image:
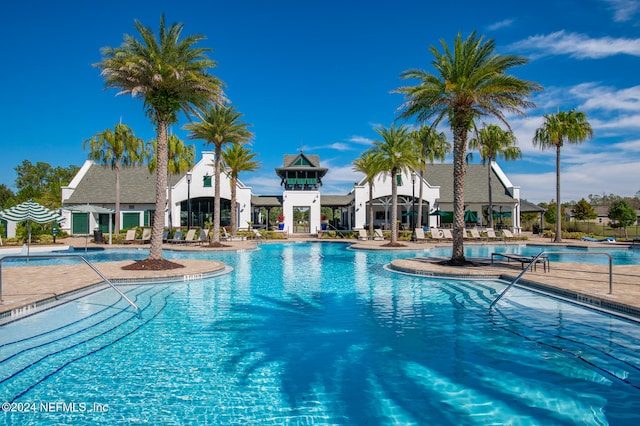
[(535, 259), (55, 256)]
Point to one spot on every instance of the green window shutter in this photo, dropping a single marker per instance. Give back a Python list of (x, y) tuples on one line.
[(206, 181), (79, 223), (399, 180), (130, 220), (311, 181)]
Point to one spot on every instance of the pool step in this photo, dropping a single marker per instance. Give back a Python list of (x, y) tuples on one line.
[(33, 360)]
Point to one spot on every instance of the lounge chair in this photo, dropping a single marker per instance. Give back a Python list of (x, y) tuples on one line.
[(508, 234), (435, 233), (203, 237), (446, 234), (146, 236), (491, 234), (190, 238), (420, 238), (258, 235), (130, 238), (225, 236), (475, 234), (362, 234), (177, 238), (377, 235), (165, 235)]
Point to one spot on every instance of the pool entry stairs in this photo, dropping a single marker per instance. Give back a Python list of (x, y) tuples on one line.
[(31, 358)]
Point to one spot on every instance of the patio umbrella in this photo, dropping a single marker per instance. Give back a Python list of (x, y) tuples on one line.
[(470, 217), (31, 212), (89, 208)]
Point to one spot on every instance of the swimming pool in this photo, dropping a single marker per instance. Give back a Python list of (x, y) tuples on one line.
[(314, 333)]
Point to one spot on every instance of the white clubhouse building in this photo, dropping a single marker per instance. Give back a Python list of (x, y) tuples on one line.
[(190, 198)]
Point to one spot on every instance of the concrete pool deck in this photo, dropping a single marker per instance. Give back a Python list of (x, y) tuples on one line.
[(28, 286)]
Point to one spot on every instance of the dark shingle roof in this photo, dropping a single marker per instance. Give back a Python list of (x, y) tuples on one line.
[(137, 186), (266, 200), (475, 184), (336, 200)]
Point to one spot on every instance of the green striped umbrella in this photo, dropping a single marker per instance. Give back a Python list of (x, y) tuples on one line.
[(31, 212)]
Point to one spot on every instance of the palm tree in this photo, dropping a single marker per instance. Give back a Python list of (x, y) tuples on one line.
[(170, 75), (116, 148), (181, 158), (571, 126), (369, 164), (237, 158), (220, 125), (431, 146), (470, 83), (396, 153), (493, 142)]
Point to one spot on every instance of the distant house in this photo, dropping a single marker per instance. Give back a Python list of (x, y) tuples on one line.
[(301, 178)]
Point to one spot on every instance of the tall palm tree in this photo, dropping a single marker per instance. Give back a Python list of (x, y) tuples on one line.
[(470, 83), (431, 146), (181, 158), (571, 126), (493, 142), (116, 148), (170, 75), (369, 164), (396, 153), (237, 159), (220, 125)]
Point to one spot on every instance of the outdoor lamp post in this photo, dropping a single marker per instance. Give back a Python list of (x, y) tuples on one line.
[(189, 174), (413, 207)]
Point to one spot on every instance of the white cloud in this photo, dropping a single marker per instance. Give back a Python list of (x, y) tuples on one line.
[(360, 140), (502, 24), (577, 45), (623, 10)]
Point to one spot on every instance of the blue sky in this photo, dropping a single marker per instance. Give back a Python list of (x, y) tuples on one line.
[(319, 75)]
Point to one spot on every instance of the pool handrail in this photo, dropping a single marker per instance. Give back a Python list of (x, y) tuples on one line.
[(535, 259), (54, 256)]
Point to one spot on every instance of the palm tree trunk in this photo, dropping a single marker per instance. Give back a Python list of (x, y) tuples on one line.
[(117, 221), (234, 210), (490, 195), (216, 200), (459, 140), (420, 193), (558, 238), (170, 209), (394, 207), (155, 252), (370, 208)]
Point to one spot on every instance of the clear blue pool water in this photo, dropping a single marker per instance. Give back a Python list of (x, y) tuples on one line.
[(315, 333)]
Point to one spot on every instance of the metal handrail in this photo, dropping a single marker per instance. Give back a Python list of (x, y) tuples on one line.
[(535, 259), (330, 226), (55, 256), (502, 293)]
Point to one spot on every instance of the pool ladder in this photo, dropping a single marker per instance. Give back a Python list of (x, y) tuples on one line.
[(535, 259), (55, 256)]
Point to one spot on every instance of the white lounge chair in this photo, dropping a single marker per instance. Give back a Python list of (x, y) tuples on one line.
[(491, 234), (190, 238), (446, 234), (130, 238), (378, 236), (435, 233), (475, 234), (146, 236), (362, 234), (508, 234), (420, 238)]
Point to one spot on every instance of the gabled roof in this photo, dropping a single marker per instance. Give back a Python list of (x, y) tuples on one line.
[(475, 184), (301, 162), (137, 186), (529, 207)]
